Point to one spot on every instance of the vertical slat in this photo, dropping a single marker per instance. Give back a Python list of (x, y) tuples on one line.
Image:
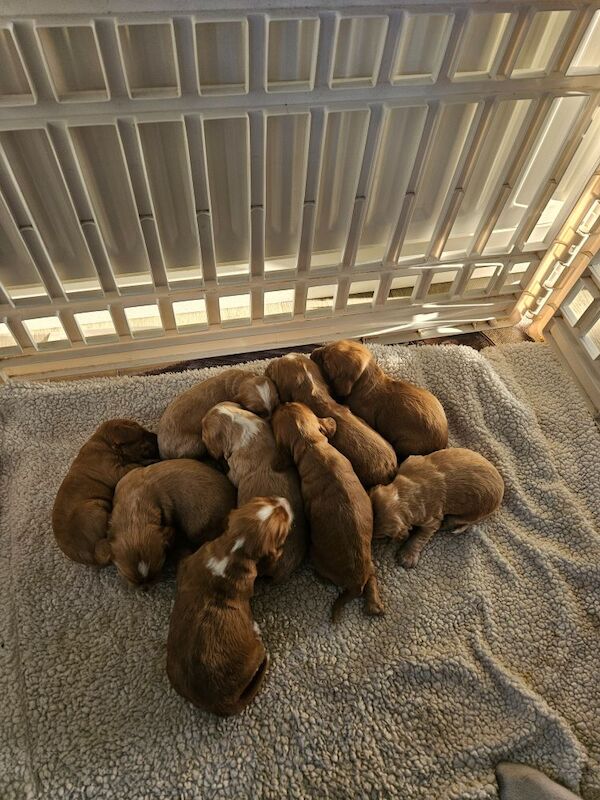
[(318, 119), (197, 156), (167, 315), (138, 172), (300, 299), (365, 180), (213, 310), (517, 37), (422, 287), (120, 322), (186, 54), (32, 238), (449, 213), (106, 31), (26, 39), (70, 326), (487, 225), (257, 39), (385, 284), (21, 335), (427, 138), (389, 48), (75, 182), (341, 295), (257, 192), (458, 288), (545, 192), (578, 30), (257, 303), (453, 46), (327, 37)]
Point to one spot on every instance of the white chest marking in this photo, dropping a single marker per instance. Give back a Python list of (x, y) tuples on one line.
[(218, 566)]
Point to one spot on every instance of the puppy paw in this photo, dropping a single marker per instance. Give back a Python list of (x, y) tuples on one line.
[(408, 558), (374, 609)]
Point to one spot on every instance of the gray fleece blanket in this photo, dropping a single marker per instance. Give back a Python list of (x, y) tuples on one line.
[(489, 650)]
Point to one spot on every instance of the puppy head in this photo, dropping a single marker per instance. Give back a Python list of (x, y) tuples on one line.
[(138, 539), (133, 443), (342, 364), (261, 527), (384, 500), (293, 422), (258, 394), (295, 375), (227, 427)]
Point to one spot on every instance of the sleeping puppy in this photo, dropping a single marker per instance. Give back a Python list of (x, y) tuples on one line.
[(152, 505), (247, 444), (410, 418), (299, 379), (447, 490), (179, 429), (84, 501), (337, 506), (215, 655)]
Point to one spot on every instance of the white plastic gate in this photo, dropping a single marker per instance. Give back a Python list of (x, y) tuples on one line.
[(176, 183)]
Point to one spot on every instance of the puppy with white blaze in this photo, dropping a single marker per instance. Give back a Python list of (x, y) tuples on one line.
[(155, 505), (448, 491), (246, 443), (179, 429), (215, 655)]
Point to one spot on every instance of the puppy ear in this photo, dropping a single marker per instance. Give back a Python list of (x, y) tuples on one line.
[(124, 431), (213, 437), (282, 460), (317, 355), (103, 553), (327, 426), (277, 527)]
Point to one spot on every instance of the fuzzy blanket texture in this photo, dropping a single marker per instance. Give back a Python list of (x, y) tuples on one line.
[(489, 651)]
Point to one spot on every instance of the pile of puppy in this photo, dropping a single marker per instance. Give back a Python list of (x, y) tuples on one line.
[(300, 482)]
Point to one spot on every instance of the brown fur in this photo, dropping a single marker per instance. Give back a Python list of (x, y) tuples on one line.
[(153, 504), (215, 655), (84, 501), (447, 490), (246, 442), (179, 429), (299, 379), (336, 504), (410, 418)]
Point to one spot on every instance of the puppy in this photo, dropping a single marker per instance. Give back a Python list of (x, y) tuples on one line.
[(179, 434), (410, 418), (299, 379), (247, 444), (155, 503), (447, 490), (215, 655), (84, 501), (337, 506)]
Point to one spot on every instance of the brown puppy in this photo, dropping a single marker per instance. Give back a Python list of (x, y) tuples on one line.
[(337, 506), (409, 417), (247, 444), (84, 501), (153, 504), (447, 490), (299, 379), (179, 429), (215, 655)]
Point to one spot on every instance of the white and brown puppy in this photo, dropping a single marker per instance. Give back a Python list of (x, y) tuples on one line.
[(215, 655), (337, 506), (246, 443), (81, 512), (179, 429), (299, 379), (410, 418), (447, 490), (154, 504)]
